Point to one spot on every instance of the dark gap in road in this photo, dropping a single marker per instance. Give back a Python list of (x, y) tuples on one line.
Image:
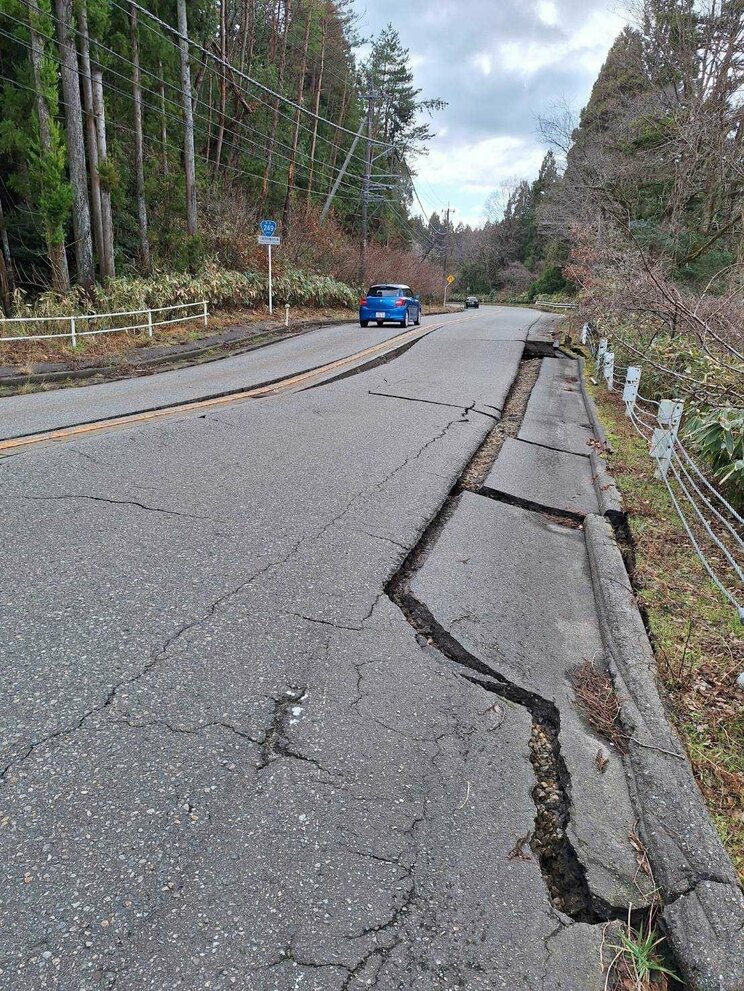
[(367, 366), (428, 402), (560, 450), (541, 349), (563, 873), (561, 869), (563, 516), (275, 743), (507, 427)]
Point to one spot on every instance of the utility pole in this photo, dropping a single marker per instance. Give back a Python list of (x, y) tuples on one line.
[(446, 249), (370, 97), (342, 173)]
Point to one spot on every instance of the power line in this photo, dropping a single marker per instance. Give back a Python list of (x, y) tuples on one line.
[(323, 168), (159, 111), (250, 79), (119, 126), (206, 66)]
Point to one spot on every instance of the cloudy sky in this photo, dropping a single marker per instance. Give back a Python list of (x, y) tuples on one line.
[(498, 63)]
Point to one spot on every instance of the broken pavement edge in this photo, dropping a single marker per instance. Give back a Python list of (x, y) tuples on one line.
[(703, 912)]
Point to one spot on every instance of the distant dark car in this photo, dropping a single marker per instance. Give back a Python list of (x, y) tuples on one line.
[(390, 303), (472, 301)]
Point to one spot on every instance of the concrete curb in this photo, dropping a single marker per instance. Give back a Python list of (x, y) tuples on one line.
[(704, 907), (591, 409), (608, 495)]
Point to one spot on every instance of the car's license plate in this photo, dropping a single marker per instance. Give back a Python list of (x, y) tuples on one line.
[(379, 316)]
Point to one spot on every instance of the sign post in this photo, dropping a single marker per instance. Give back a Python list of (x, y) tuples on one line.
[(268, 227), (450, 280)]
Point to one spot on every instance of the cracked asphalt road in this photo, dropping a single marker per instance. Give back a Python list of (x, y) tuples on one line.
[(227, 758), (64, 407)]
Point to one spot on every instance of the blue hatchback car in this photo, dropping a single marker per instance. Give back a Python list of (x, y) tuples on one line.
[(390, 303)]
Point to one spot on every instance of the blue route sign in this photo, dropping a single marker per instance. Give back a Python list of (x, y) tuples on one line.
[(268, 227)]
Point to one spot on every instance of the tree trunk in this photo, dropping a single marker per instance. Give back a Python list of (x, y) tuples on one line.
[(55, 245), (223, 86), (249, 35), (163, 119), (208, 139), (296, 134), (139, 145), (75, 144), (275, 115), (316, 107), (188, 121), (7, 283), (99, 113), (91, 144)]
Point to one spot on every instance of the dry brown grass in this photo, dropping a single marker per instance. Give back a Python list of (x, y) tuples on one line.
[(694, 632), (103, 348), (596, 697)]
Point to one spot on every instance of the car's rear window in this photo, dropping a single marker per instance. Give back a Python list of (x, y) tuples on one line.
[(384, 291)]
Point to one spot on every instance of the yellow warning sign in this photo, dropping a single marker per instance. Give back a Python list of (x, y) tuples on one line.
[(450, 279)]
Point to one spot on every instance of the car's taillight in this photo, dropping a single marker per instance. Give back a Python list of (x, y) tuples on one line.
[(363, 300), (400, 302)]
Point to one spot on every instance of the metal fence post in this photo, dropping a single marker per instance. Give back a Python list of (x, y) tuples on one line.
[(72, 332), (664, 436), (630, 389), (601, 348), (149, 323), (205, 313), (608, 368)]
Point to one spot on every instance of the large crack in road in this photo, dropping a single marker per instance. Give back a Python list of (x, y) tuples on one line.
[(562, 871), (365, 840)]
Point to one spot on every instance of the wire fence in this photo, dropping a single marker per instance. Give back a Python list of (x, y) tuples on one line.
[(558, 306), (90, 324), (713, 526)]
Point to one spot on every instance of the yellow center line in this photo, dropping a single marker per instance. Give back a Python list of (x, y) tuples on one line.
[(63, 433)]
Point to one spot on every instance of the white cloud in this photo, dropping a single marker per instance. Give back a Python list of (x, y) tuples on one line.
[(483, 62), (498, 64), (482, 165), (467, 174), (547, 12), (585, 46)]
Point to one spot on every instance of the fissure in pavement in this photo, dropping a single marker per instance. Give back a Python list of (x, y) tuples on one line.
[(562, 871)]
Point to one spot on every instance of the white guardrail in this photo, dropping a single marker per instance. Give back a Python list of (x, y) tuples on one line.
[(709, 520), (560, 306), (85, 320)]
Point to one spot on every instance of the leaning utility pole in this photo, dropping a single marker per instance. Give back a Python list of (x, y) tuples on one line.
[(365, 191), (188, 120), (342, 173)]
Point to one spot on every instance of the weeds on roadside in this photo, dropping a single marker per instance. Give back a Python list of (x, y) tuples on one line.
[(596, 697), (637, 965), (695, 635)]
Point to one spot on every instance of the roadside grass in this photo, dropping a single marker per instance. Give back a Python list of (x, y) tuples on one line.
[(637, 963), (695, 633)]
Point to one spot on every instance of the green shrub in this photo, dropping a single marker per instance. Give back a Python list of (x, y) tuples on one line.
[(551, 281), (223, 288), (719, 436)]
